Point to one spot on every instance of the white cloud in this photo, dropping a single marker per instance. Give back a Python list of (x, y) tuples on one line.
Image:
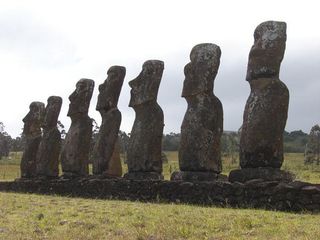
[(47, 46)]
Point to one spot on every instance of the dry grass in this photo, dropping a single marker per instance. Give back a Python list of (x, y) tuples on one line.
[(10, 169), (29, 216)]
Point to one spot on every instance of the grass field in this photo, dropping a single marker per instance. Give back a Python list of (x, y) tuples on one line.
[(10, 169), (30, 216), (26, 216)]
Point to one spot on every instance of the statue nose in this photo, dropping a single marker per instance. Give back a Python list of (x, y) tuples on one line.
[(72, 96), (25, 119), (131, 83)]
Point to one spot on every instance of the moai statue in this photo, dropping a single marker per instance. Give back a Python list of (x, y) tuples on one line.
[(32, 133), (75, 152), (202, 126), (265, 114), (108, 97), (144, 148), (50, 145), (115, 167)]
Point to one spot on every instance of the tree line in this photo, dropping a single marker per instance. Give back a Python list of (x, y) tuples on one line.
[(295, 141)]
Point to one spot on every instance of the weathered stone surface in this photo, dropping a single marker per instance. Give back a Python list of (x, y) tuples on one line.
[(115, 167), (265, 115), (268, 50), (144, 148), (147, 176), (50, 145), (75, 152), (254, 194), (202, 125), (108, 97), (32, 133), (264, 174), (197, 176)]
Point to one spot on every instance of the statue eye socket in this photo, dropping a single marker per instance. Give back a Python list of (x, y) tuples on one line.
[(147, 71), (81, 86), (112, 74)]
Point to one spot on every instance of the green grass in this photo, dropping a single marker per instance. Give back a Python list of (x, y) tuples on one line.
[(30, 216), (10, 169), (294, 163)]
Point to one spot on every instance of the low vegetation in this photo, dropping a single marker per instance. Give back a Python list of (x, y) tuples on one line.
[(31, 216), (294, 162)]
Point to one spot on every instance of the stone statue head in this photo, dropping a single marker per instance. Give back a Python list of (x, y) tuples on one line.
[(144, 88), (33, 120), (110, 90), (267, 52), (80, 98), (52, 112), (202, 70)]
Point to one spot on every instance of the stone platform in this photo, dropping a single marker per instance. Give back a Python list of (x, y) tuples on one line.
[(267, 174), (143, 176), (295, 196), (197, 176)]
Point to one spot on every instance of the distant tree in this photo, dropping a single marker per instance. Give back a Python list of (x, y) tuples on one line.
[(17, 144), (295, 141), (124, 141), (95, 127), (171, 142), (312, 150), (95, 132), (61, 129), (230, 145), (1, 127), (5, 141)]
